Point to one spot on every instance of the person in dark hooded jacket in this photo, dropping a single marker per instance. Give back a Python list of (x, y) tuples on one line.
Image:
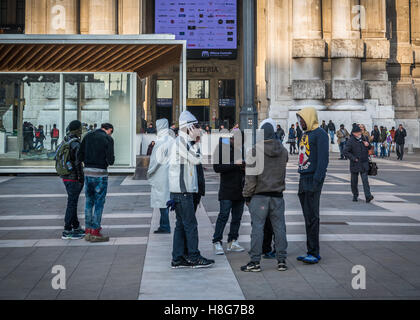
[(357, 150)]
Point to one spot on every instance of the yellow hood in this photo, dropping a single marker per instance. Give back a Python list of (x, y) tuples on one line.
[(310, 116)]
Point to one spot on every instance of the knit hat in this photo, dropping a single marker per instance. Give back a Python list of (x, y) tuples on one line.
[(74, 125), (186, 119)]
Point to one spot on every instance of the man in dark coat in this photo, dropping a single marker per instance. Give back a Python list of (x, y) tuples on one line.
[(357, 150), (400, 135)]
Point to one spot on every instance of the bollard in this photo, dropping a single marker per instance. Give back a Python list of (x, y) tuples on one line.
[(410, 148)]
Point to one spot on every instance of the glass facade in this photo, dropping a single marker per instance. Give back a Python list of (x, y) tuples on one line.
[(35, 112)]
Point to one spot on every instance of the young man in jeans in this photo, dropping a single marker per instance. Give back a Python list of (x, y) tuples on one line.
[(263, 193), (73, 183), (183, 183), (97, 153)]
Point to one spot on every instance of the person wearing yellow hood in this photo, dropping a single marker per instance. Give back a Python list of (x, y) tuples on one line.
[(313, 163)]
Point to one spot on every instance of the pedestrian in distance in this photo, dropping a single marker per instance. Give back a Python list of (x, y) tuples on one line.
[(331, 130), (280, 133), (400, 136), (313, 164), (183, 183), (375, 137), (292, 139), (342, 137), (324, 126), (299, 134), (97, 153), (357, 150), (263, 193), (54, 134), (158, 174)]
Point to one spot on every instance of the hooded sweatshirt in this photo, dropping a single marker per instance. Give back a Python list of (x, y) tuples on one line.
[(271, 181), (314, 147)]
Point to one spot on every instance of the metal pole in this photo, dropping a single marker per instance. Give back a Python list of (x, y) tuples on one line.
[(62, 108), (248, 115)]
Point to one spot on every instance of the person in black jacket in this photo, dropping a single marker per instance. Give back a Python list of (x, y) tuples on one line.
[(231, 167), (400, 135), (331, 130), (73, 183), (357, 150), (375, 136), (97, 153)]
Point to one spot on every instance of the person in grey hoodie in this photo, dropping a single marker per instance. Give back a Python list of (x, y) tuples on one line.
[(263, 193)]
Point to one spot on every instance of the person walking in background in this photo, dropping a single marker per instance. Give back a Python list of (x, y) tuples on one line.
[(382, 142), (365, 133), (158, 174), (292, 139), (375, 136), (324, 126), (388, 143), (400, 135), (73, 181), (183, 183), (55, 134), (342, 137), (392, 132), (264, 197), (280, 133), (150, 129), (39, 138), (299, 134), (313, 164), (232, 175), (331, 130), (97, 153), (357, 150)]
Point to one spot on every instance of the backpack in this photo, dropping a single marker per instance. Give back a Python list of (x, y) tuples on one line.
[(55, 133), (63, 165), (37, 133)]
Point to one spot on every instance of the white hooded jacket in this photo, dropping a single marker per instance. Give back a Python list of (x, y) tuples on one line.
[(158, 172)]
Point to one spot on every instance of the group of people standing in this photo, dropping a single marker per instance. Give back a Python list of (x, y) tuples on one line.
[(177, 180), (34, 137)]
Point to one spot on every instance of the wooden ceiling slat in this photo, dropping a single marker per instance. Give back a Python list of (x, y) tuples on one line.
[(42, 63), (152, 57), (126, 58), (95, 64), (85, 57), (48, 49), (22, 56), (87, 64), (115, 57), (58, 57), (17, 50), (75, 51), (8, 49), (129, 61), (29, 58)]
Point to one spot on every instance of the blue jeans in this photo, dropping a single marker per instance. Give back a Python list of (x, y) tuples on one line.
[(383, 151), (342, 145), (95, 191), (164, 220), (332, 134), (375, 145), (237, 208), (186, 230)]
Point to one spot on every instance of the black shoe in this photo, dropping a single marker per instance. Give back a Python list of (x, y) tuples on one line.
[(251, 267), (79, 231), (182, 263), (282, 266), (368, 200), (160, 231), (201, 262), (355, 199), (69, 235)]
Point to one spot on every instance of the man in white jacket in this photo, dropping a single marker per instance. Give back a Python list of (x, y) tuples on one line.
[(183, 183), (158, 173)]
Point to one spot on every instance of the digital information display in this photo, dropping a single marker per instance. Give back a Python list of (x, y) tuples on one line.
[(210, 27)]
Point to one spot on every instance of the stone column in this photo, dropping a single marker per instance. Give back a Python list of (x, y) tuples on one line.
[(308, 87), (415, 38), (102, 17), (35, 17), (84, 16), (129, 16), (347, 50)]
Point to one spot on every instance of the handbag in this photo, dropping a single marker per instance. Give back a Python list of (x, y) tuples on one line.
[(373, 168)]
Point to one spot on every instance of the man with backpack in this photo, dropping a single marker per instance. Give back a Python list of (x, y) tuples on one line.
[(39, 138), (69, 167), (97, 153), (55, 134)]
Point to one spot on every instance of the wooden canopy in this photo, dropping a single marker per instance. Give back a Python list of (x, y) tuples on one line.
[(50, 53)]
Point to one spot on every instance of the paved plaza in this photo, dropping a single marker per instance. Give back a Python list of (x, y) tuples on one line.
[(383, 237)]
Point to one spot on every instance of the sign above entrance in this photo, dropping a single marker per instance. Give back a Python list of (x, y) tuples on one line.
[(210, 27), (198, 102)]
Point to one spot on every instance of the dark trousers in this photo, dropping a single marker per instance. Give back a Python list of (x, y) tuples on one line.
[(268, 236), (292, 147), (196, 200), (400, 151), (226, 206), (355, 182), (186, 230), (309, 197), (73, 192)]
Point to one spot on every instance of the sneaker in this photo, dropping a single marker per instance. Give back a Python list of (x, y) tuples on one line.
[(281, 265), (251, 267), (201, 262), (234, 246), (309, 259), (182, 263), (301, 258), (270, 255), (79, 231), (161, 231), (96, 236), (87, 234), (218, 249), (69, 235), (355, 199), (368, 200)]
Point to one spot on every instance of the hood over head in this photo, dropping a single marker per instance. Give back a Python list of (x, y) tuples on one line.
[(310, 115), (187, 119), (268, 131)]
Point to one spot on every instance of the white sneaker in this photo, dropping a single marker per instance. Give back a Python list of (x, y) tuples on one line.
[(218, 249), (234, 246)]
